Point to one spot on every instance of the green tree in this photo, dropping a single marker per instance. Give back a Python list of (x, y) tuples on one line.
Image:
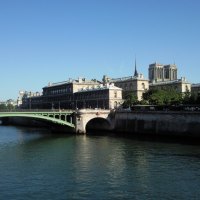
[(3, 106), (191, 98), (187, 98), (10, 106), (130, 99), (162, 97)]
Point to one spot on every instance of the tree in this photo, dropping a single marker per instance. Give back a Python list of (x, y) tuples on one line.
[(163, 97), (3, 106), (130, 99), (10, 106), (191, 98), (187, 98)]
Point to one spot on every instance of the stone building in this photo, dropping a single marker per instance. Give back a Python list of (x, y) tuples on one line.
[(72, 94), (195, 88), (103, 96), (136, 84), (82, 93), (161, 73), (180, 85), (165, 77)]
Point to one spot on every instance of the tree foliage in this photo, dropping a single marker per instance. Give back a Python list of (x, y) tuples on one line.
[(163, 97), (130, 99), (3, 106), (6, 106), (193, 98)]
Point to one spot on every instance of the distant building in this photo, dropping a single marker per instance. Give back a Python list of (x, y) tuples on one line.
[(23, 95), (108, 93), (25, 98), (164, 77), (103, 96), (179, 85), (136, 84), (9, 102), (72, 94), (162, 73), (195, 88)]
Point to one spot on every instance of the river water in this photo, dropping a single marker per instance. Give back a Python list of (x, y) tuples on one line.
[(35, 164)]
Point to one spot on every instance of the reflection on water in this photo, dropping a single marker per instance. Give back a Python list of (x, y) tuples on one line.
[(35, 164)]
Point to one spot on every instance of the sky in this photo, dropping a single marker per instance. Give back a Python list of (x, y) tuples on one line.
[(44, 41)]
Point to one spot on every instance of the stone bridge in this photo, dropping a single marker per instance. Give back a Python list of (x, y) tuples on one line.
[(80, 121), (90, 119)]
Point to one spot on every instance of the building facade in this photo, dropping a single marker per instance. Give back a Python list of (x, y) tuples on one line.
[(135, 84), (179, 85), (164, 77), (75, 94), (106, 94), (103, 96), (195, 89), (161, 73)]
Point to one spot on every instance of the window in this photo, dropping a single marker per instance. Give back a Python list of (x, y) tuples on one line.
[(143, 86), (115, 94), (186, 88)]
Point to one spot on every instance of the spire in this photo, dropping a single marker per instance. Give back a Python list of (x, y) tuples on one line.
[(135, 73)]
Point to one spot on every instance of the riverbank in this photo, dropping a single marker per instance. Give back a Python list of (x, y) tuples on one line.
[(170, 124), (132, 123)]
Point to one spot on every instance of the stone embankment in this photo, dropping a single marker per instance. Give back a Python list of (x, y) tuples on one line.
[(180, 123)]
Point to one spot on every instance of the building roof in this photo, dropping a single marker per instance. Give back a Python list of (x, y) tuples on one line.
[(73, 81), (182, 80), (128, 78), (99, 87), (196, 85)]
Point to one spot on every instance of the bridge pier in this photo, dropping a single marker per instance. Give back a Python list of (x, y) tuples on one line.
[(84, 116), (80, 125)]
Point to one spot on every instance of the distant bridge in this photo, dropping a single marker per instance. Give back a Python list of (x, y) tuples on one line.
[(58, 117)]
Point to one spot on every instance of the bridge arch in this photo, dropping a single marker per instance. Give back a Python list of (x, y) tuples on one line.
[(98, 124), (88, 119), (48, 117)]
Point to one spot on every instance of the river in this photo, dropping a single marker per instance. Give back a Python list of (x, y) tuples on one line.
[(35, 164)]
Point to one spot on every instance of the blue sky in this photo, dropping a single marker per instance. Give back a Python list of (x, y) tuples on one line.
[(45, 41)]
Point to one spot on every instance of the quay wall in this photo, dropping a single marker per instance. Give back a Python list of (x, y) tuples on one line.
[(158, 123)]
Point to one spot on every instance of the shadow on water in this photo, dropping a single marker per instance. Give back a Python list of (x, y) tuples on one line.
[(27, 135), (44, 133), (148, 137), (163, 138)]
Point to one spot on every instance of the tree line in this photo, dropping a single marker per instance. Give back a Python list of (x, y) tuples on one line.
[(6, 107), (162, 98)]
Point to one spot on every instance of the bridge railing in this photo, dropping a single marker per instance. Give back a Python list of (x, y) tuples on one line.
[(36, 110)]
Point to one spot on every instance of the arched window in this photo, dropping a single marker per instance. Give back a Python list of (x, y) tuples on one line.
[(143, 86), (186, 88)]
